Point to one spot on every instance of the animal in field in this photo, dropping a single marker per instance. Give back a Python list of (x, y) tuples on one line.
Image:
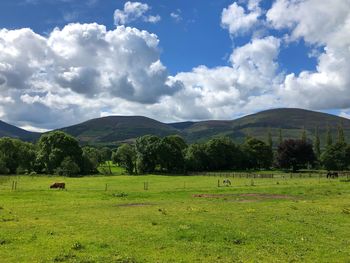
[(332, 175), (58, 186), (227, 182)]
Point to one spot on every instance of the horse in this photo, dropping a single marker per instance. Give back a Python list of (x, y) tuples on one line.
[(227, 182)]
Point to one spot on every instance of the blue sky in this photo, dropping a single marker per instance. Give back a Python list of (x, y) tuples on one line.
[(196, 39), (214, 59)]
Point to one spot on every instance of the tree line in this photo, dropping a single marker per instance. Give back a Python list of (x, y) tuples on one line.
[(60, 153), (55, 153)]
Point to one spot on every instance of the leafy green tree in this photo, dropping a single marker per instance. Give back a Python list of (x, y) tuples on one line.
[(269, 140), (9, 154), (303, 135), (91, 160), (258, 154), (68, 167), (54, 147), (223, 154), (3, 168), (280, 137), (329, 139), (295, 154), (126, 157), (17, 155), (317, 144), (171, 153), (336, 157), (106, 154), (341, 137), (147, 153), (196, 158)]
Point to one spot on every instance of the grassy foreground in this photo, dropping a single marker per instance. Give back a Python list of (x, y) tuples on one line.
[(265, 220)]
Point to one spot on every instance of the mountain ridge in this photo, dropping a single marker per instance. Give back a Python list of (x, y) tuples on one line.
[(111, 130)]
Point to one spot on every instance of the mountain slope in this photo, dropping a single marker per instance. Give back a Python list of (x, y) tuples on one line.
[(118, 128), (290, 121), (115, 129), (8, 130)]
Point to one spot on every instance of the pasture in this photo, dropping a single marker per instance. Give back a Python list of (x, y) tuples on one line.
[(178, 219)]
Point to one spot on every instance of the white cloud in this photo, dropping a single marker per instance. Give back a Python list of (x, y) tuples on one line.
[(133, 11), (176, 15), (237, 20), (322, 24), (67, 75)]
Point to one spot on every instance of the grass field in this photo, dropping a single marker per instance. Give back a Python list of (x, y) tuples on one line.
[(178, 219)]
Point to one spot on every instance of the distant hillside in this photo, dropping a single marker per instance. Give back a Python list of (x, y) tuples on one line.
[(115, 129), (291, 121), (8, 130)]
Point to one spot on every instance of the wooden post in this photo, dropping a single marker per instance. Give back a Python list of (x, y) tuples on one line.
[(106, 187), (13, 185), (218, 183)]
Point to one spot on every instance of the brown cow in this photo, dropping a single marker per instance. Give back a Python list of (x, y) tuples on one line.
[(58, 186)]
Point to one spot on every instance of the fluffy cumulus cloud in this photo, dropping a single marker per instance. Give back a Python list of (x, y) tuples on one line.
[(133, 11), (238, 20), (84, 70), (71, 72), (323, 24)]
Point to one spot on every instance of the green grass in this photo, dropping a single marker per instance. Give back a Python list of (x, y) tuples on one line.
[(88, 224)]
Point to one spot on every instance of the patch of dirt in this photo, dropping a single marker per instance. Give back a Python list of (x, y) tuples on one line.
[(135, 204), (268, 196), (255, 196)]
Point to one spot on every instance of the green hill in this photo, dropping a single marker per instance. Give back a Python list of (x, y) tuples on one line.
[(290, 121), (115, 129), (8, 130)]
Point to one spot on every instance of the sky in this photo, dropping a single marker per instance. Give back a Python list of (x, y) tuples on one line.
[(66, 61)]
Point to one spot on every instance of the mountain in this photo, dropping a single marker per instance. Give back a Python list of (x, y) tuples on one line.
[(8, 130), (290, 121), (115, 129)]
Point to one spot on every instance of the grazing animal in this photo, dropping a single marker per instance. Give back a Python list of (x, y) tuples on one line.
[(227, 182), (58, 186), (332, 175)]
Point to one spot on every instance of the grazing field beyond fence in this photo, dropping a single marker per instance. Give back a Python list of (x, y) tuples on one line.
[(268, 218)]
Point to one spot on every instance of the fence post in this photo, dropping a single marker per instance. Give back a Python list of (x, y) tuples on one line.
[(106, 187), (218, 183)]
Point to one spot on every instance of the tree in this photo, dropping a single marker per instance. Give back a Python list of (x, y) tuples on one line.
[(106, 154), (54, 147), (147, 153), (3, 168), (196, 158), (17, 155), (303, 135), (223, 154), (68, 167), (91, 160), (258, 154), (329, 139), (269, 139), (280, 137), (317, 147), (295, 154), (171, 153), (341, 137), (126, 157), (336, 157)]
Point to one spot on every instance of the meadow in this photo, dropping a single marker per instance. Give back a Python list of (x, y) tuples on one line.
[(178, 219)]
